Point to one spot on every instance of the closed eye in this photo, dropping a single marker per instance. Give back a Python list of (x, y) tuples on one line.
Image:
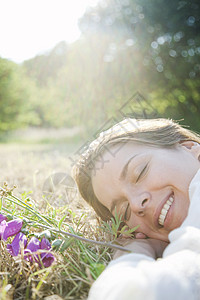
[(127, 213), (142, 172)]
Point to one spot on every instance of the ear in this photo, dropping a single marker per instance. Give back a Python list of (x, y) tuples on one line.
[(192, 147)]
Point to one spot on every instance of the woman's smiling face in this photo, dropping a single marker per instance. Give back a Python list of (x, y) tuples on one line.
[(148, 186)]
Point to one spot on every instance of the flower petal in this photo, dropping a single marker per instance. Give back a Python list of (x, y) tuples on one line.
[(47, 259), (33, 245), (14, 247), (28, 257), (45, 244), (12, 228), (3, 225), (2, 217)]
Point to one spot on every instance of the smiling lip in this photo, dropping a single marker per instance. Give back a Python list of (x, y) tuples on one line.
[(158, 211)]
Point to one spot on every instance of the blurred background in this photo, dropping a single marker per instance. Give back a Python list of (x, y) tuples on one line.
[(104, 56), (67, 67)]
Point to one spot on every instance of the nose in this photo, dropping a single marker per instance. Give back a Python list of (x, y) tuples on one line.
[(140, 203)]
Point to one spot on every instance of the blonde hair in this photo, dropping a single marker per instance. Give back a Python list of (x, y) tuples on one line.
[(163, 133)]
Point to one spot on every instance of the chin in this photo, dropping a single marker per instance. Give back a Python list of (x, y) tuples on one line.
[(164, 238)]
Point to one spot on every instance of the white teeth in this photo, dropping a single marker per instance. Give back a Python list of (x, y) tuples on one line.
[(165, 210), (162, 217), (166, 206)]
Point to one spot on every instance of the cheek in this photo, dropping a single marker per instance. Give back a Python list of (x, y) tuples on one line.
[(159, 176), (167, 172)]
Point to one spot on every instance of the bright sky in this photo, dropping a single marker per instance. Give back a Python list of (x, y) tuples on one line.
[(30, 27)]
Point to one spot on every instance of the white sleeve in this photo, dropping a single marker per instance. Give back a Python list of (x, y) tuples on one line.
[(175, 276)]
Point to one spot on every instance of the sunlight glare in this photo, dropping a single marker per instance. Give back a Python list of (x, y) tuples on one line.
[(30, 27)]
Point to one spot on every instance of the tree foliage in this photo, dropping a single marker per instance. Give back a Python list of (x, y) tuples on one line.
[(166, 35), (127, 46), (12, 95)]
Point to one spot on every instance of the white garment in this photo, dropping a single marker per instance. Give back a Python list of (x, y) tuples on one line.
[(175, 276)]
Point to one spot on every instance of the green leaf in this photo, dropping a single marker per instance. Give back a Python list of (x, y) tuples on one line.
[(56, 244), (61, 221), (66, 244), (96, 269)]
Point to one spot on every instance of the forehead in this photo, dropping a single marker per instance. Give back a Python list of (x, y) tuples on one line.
[(117, 155)]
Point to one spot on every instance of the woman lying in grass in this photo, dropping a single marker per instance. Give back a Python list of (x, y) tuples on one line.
[(146, 171)]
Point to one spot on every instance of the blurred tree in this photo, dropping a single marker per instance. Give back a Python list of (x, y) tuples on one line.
[(43, 67), (19, 98), (166, 34), (13, 96), (126, 46)]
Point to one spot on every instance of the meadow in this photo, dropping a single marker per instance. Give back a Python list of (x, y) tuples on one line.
[(130, 61), (35, 190)]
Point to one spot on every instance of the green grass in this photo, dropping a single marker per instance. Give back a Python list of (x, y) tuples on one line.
[(78, 262), (36, 135)]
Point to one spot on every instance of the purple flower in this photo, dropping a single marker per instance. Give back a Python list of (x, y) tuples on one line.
[(12, 228), (47, 257), (2, 218), (3, 225), (33, 246), (45, 244), (14, 247)]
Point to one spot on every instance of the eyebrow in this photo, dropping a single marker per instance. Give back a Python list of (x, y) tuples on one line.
[(121, 177)]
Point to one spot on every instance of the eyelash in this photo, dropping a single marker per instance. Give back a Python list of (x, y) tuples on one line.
[(125, 214), (142, 172)]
